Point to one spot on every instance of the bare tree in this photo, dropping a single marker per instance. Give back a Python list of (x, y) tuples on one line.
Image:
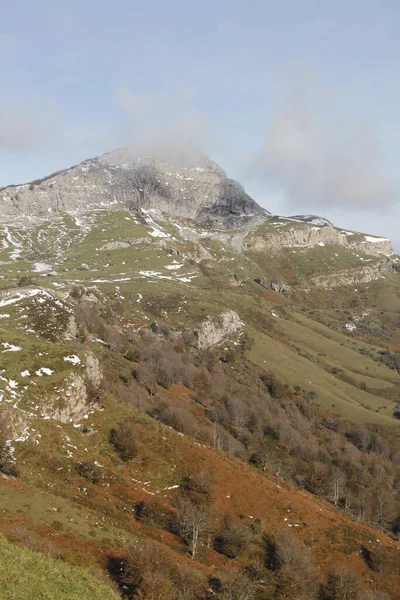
[(345, 585), (190, 583), (298, 577), (382, 503), (238, 587), (156, 571), (146, 376), (337, 483), (194, 523)]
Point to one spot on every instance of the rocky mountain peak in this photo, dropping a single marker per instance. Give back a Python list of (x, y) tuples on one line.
[(199, 191)]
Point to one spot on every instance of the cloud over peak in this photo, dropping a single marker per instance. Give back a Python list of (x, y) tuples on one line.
[(319, 159)]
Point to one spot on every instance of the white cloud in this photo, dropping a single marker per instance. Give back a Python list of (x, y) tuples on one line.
[(165, 125), (321, 159), (7, 42), (25, 129)]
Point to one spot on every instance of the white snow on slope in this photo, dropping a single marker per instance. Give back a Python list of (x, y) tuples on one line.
[(157, 233), (44, 371), (29, 294), (73, 359), (375, 240), (10, 347), (42, 267)]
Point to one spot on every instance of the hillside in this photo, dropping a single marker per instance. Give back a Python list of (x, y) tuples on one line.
[(26, 575), (185, 380)]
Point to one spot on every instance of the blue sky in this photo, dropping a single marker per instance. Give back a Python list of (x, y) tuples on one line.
[(296, 99)]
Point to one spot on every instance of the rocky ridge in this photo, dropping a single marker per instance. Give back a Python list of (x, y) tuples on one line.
[(294, 232)]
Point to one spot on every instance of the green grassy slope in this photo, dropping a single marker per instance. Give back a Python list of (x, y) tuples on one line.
[(26, 575)]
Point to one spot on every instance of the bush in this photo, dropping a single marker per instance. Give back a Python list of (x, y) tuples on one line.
[(77, 292), (131, 355), (89, 471), (198, 481), (123, 439), (154, 513), (7, 463), (146, 573), (232, 540), (343, 584), (25, 280), (298, 577)]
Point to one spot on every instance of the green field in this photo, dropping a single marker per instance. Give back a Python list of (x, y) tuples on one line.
[(334, 395)]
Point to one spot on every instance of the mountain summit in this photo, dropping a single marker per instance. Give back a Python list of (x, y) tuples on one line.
[(200, 192)]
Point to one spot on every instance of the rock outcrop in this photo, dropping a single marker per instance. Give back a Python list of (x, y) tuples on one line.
[(306, 235), (214, 330), (351, 277)]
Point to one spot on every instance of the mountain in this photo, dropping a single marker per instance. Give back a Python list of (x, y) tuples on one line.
[(197, 399), (201, 192)]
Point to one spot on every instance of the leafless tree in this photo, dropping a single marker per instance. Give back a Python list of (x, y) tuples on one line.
[(382, 503), (337, 483), (266, 456), (345, 585), (194, 523), (298, 577), (238, 587)]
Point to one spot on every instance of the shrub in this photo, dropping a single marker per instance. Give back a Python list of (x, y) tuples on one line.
[(123, 438), (146, 572), (343, 584), (25, 280), (237, 587), (77, 292), (232, 540), (298, 577), (7, 463), (89, 471), (199, 481), (131, 355), (153, 512)]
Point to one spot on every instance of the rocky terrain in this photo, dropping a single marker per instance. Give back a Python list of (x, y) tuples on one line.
[(174, 359)]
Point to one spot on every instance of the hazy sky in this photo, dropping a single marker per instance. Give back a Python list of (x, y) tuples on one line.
[(298, 99)]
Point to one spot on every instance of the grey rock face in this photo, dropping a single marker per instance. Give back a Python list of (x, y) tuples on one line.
[(201, 192), (213, 331), (351, 277), (307, 235)]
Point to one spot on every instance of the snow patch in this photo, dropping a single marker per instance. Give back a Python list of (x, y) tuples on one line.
[(44, 371), (73, 359), (375, 240), (42, 267), (10, 347)]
